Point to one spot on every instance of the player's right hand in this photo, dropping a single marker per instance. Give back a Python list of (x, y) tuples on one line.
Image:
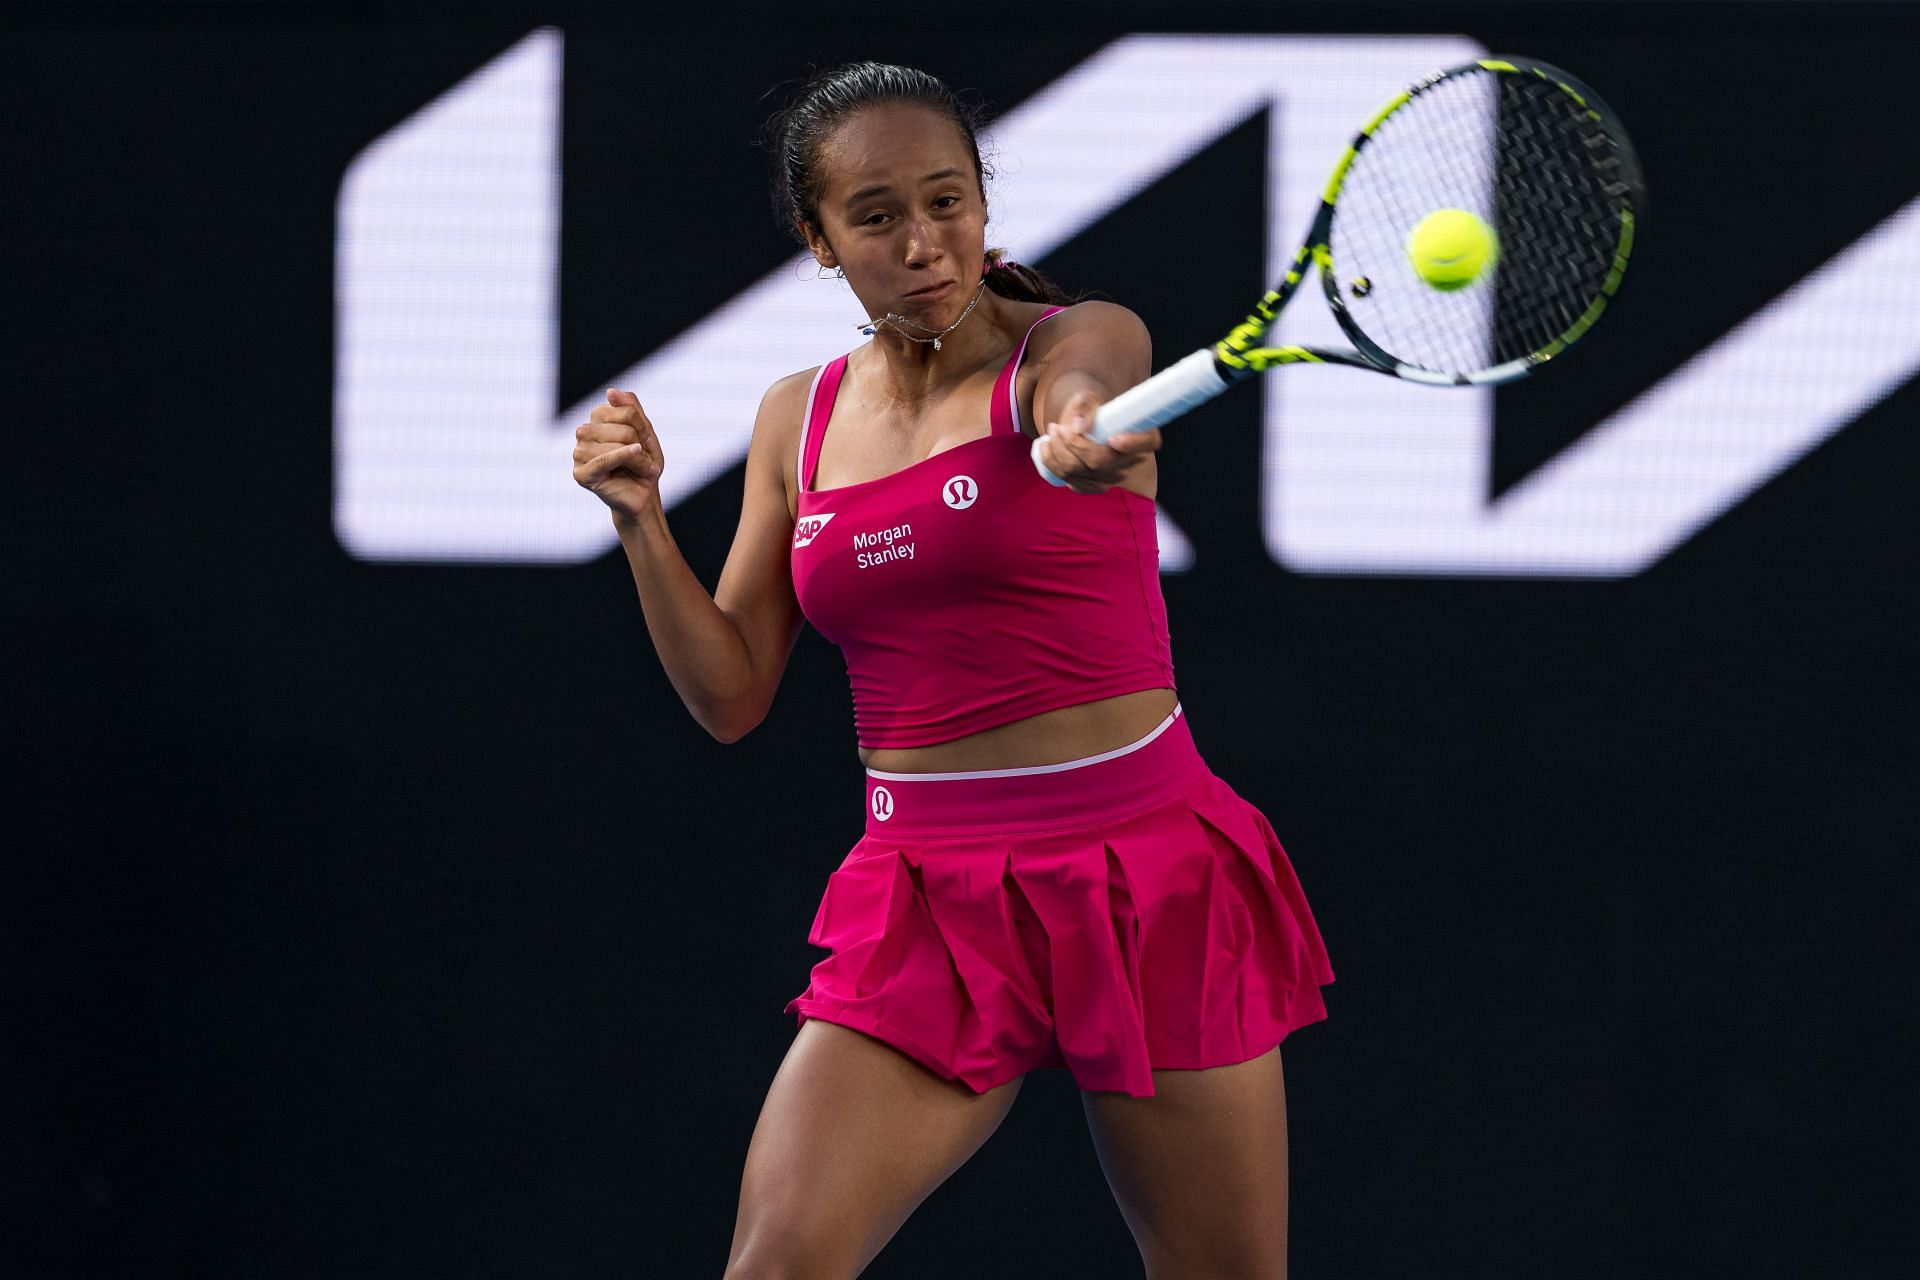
[(617, 456)]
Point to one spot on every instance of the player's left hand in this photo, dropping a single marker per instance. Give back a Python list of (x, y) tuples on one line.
[(1085, 464)]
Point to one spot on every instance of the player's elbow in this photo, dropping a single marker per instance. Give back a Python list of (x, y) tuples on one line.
[(729, 724), (732, 705), (729, 732)]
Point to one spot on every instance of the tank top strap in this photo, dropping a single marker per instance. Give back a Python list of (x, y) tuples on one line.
[(1004, 410), (813, 427)]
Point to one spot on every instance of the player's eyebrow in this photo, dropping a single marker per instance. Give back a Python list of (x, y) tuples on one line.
[(867, 193)]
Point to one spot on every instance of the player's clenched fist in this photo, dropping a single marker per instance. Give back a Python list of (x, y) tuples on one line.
[(1068, 450), (617, 455)]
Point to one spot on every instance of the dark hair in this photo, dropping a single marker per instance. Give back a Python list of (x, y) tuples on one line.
[(796, 132)]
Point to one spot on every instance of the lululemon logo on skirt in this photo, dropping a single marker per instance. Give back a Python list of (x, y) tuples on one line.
[(882, 803), (960, 492)]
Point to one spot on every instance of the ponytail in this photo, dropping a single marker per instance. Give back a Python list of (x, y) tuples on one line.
[(1022, 283)]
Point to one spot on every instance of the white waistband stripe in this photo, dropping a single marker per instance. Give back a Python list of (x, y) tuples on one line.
[(1030, 770)]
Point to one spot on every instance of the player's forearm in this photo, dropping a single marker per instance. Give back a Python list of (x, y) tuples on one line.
[(705, 656)]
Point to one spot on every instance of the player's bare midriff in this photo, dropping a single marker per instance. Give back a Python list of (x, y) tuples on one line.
[(1052, 737)]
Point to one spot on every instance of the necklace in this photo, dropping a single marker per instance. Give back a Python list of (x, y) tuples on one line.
[(897, 320)]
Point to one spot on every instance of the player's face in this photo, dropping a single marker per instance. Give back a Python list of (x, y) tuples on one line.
[(902, 213)]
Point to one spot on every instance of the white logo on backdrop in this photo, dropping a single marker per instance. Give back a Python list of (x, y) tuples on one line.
[(447, 342)]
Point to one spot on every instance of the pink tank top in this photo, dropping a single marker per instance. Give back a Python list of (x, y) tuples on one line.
[(966, 592)]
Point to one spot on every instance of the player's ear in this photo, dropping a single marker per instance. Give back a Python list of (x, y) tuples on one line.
[(817, 245)]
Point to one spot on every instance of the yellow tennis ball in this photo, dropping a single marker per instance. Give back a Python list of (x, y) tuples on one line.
[(1451, 248)]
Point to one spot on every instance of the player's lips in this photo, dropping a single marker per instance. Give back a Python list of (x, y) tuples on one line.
[(931, 291)]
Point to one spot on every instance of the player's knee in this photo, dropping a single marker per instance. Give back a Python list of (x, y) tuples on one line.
[(1238, 1265), (785, 1246)]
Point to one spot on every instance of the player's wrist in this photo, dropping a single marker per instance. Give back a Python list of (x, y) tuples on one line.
[(648, 521)]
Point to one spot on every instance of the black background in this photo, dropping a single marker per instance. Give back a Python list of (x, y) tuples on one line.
[(396, 920)]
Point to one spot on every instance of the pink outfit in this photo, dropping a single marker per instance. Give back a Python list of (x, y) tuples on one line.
[(966, 592), (1114, 916), (1111, 915)]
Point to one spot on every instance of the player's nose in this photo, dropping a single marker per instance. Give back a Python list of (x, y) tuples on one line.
[(921, 244)]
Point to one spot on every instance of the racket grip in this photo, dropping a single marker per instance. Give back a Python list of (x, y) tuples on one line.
[(1185, 385)]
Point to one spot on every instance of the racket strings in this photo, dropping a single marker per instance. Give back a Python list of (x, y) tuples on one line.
[(1525, 156), (1561, 185), (1436, 152)]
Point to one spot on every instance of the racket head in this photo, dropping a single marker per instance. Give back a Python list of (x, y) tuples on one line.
[(1533, 153)]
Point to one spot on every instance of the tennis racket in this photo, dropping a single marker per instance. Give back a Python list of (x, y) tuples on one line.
[(1537, 187)]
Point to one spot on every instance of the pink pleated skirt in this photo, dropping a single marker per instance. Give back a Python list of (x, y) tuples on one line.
[(1111, 915)]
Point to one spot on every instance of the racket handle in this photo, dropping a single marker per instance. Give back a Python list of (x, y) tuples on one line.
[(1163, 397)]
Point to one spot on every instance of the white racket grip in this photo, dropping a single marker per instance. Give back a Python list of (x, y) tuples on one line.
[(1177, 388)]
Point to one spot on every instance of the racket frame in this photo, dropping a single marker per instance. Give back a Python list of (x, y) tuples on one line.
[(1209, 371)]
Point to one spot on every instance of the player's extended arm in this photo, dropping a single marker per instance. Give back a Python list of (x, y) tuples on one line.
[(1096, 351)]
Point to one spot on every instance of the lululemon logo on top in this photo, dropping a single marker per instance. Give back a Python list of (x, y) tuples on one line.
[(960, 492), (882, 803), (804, 530)]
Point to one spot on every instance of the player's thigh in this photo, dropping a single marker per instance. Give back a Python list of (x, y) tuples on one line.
[(853, 1135), (1199, 1170)]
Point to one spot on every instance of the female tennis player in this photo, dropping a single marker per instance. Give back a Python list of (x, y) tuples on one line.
[(1050, 875)]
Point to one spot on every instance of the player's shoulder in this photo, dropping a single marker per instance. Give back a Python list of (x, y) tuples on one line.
[(1094, 335), (1095, 319), (784, 406), (791, 389)]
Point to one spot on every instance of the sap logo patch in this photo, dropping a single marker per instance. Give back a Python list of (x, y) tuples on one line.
[(805, 530)]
